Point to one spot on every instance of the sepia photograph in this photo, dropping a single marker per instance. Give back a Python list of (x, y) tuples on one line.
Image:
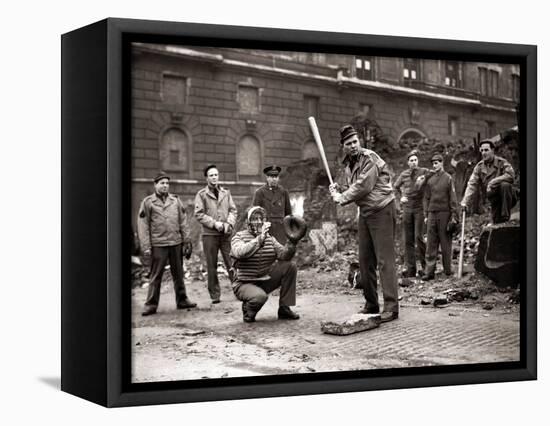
[(297, 212)]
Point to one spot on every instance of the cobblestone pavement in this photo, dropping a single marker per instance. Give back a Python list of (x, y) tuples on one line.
[(212, 341)]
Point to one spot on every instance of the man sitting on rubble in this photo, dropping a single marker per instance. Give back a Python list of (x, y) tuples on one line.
[(262, 264), (493, 176)]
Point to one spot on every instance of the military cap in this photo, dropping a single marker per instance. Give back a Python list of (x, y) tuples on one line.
[(272, 170), (347, 132), (437, 157), (488, 141), (413, 152), (161, 175), (210, 166)]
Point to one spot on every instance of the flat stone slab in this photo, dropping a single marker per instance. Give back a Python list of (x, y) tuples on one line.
[(355, 324)]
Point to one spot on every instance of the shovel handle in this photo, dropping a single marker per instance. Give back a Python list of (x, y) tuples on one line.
[(461, 257)]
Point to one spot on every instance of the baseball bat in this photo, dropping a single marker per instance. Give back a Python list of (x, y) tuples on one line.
[(317, 138)]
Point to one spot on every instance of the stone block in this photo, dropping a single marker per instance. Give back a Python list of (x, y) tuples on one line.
[(498, 254), (355, 324)]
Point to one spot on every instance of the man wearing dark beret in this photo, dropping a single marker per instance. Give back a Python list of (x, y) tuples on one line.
[(275, 200), (368, 184), (440, 208), (413, 213), (163, 234), (493, 176), (217, 213)]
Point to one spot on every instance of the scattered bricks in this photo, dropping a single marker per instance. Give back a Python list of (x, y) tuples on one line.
[(355, 324), (457, 295), (440, 301), (515, 297), (405, 282), (498, 254)]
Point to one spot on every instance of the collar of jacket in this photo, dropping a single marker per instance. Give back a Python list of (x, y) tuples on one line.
[(362, 152), (221, 192), (157, 199)]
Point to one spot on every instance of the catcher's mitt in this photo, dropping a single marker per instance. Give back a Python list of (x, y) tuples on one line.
[(295, 227)]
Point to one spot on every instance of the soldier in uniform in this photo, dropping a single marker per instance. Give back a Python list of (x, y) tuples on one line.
[(368, 184), (217, 213), (493, 176), (441, 210), (275, 200), (164, 237), (413, 213), (262, 265)]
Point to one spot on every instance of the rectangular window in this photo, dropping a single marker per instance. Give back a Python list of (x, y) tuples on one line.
[(249, 99), (311, 106), (411, 69), (490, 129), (453, 125), (483, 81), (364, 66), (493, 83), (174, 89), (515, 87), (453, 76)]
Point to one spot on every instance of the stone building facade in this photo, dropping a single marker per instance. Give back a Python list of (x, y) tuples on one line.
[(242, 109)]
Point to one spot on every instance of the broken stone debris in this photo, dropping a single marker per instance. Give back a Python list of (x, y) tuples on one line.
[(355, 324)]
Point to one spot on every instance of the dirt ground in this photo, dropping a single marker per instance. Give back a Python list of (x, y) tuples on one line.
[(479, 323)]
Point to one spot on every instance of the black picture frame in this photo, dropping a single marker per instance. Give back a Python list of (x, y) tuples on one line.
[(95, 203)]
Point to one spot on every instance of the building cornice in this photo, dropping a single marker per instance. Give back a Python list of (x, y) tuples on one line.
[(340, 80)]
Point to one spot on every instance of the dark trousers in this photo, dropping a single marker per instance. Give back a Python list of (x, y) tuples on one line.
[(159, 258), (277, 230), (254, 295), (437, 235), (502, 199), (211, 244), (377, 249), (413, 237)]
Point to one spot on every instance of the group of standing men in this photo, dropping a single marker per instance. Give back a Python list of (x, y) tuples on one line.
[(258, 258), (428, 197)]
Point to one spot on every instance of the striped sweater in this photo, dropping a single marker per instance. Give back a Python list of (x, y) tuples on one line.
[(253, 261)]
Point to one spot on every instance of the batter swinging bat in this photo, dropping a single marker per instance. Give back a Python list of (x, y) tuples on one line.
[(317, 138)]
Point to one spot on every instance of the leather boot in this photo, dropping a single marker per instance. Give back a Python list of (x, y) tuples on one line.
[(286, 313)]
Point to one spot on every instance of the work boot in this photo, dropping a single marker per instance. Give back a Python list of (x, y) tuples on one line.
[(248, 314), (286, 313), (365, 310), (427, 277), (216, 300), (149, 310), (388, 316), (186, 303)]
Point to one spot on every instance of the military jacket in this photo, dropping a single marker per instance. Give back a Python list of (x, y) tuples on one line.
[(368, 183), (209, 210), (407, 185), (162, 224), (275, 201), (488, 175)]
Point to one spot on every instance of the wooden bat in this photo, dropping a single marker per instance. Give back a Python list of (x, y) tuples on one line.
[(317, 138), (461, 257)]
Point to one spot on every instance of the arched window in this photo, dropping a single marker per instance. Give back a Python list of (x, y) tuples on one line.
[(174, 151), (411, 138), (249, 158), (310, 150)]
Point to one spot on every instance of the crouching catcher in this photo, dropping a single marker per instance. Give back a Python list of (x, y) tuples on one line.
[(262, 264)]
